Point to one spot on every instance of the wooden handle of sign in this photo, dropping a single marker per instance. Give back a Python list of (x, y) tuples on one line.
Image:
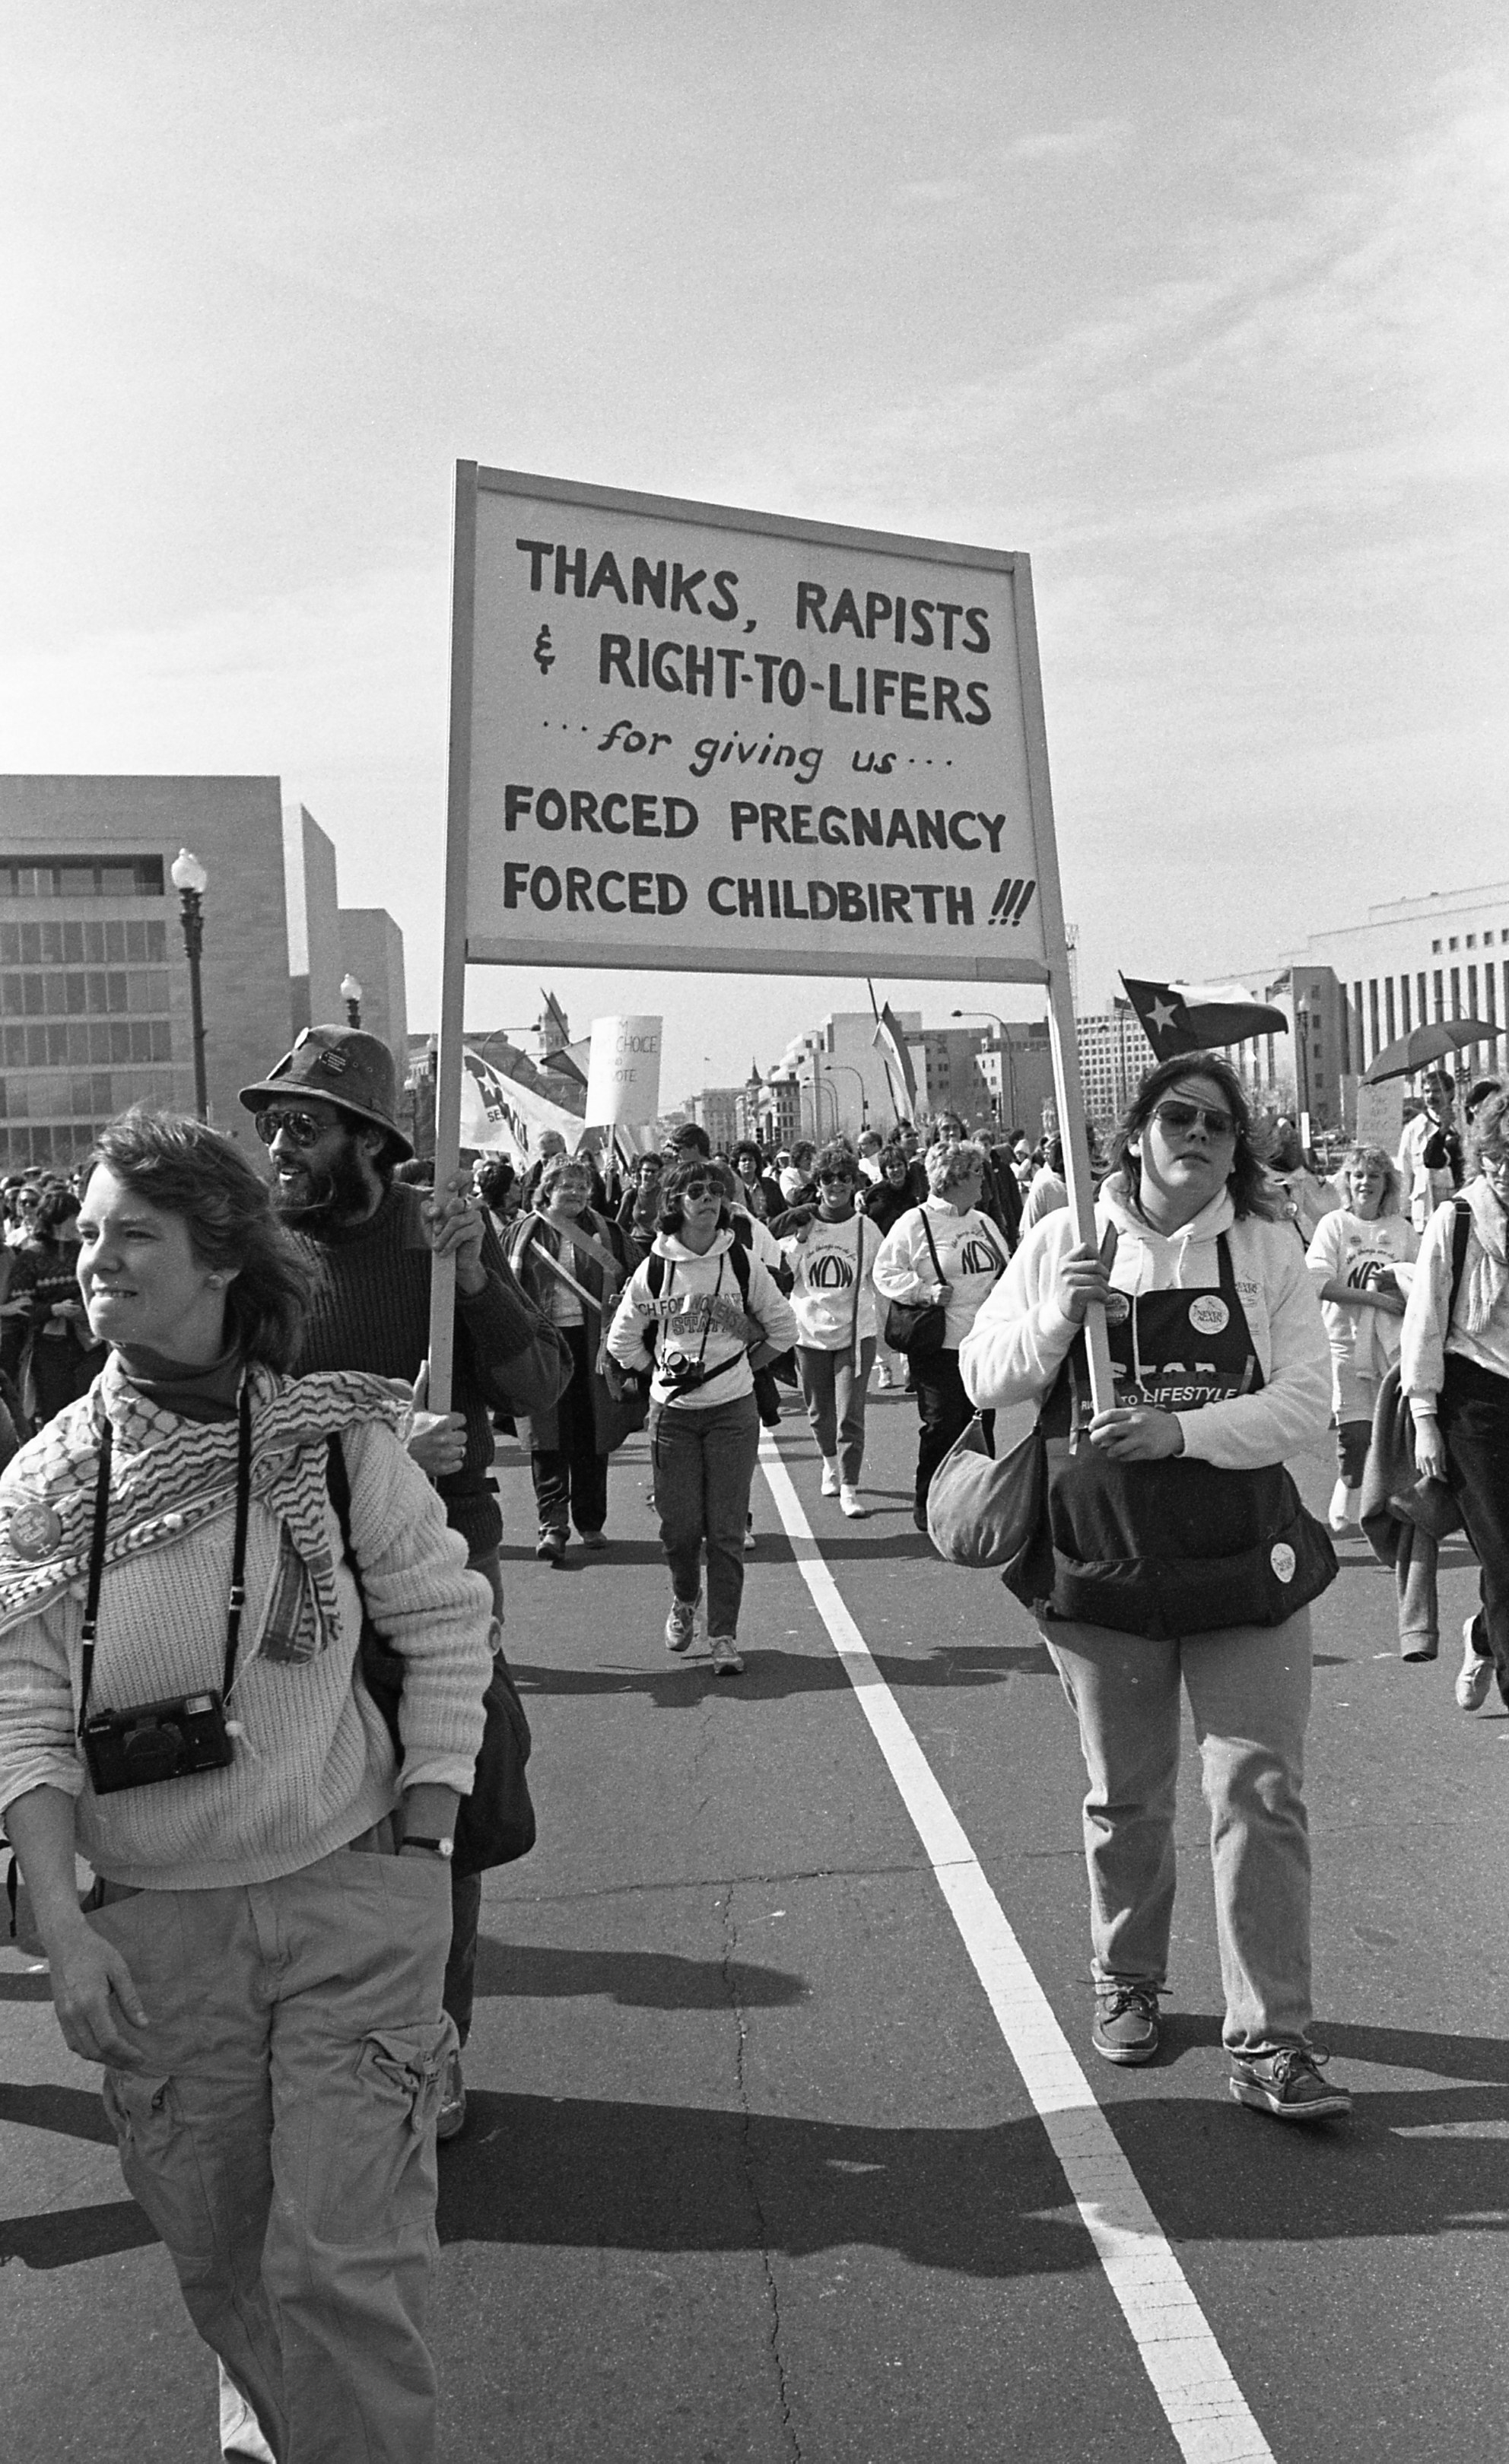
[(442, 1331)]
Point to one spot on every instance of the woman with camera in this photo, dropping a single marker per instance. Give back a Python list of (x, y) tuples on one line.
[(259, 1966), (701, 1314), (1177, 1555)]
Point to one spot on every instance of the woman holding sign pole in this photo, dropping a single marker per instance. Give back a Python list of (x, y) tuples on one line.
[(1181, 1555), (949, 1253)]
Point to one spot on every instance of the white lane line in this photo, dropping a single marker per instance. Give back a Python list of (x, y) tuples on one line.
[(1205, 2407)]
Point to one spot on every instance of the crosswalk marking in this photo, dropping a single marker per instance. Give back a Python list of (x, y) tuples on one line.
[(1205, 2407)]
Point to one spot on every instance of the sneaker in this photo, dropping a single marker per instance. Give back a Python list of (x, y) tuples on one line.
[(1477, 1672), (882, 1378), (749, 1535), (1343, 1511), (727, 1660), (594, 1539), (830, 1487), (681, 1626), (920, 1517), (550, 1548), (1288, 2082), (452, 2119), (850, 1501), (1125, 2026)]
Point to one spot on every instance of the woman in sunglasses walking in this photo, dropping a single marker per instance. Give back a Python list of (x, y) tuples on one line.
[(1178, 1554)]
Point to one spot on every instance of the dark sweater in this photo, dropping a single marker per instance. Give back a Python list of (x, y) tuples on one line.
[(373, 1312)]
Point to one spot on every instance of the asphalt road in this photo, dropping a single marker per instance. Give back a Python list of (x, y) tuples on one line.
[(750, 2173)]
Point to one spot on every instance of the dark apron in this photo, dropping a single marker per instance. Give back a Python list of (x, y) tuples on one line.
[(1174, 1547)]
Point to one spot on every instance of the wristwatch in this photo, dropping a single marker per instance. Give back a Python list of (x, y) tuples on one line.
[(437, 1847)]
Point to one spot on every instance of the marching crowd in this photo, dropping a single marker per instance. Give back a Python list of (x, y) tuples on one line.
[(224, 1490)]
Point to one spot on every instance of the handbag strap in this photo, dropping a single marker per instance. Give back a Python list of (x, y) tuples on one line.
[(927, 1235)]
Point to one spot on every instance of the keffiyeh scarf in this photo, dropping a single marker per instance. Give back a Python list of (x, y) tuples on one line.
[(168, 1476)]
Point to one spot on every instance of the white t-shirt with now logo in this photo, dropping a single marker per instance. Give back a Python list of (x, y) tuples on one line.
[(971, 1258), (823, 1258), (1344, 1246)]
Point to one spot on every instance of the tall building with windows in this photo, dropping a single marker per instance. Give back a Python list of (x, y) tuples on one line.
[(95, 1003), (1114, 1052)]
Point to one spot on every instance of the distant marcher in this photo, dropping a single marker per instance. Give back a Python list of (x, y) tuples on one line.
[(683, 1318), (884, 1201), (1427, 1185), (946, 1251), (1048, 1189), (573, 1264), (1453, 1367), (1354, 1259), (639, 1209), (832, 1256)]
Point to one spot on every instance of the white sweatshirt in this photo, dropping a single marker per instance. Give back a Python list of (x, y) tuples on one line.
[(1021, 1335), (971, 1253), (702, 1318)]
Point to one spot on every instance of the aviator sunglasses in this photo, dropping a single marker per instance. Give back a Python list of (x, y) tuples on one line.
[(1178, 1115), (302, 1127)]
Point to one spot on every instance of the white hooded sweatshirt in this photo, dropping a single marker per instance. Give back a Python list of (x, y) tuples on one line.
[(702, 1320), (1021, 1335)]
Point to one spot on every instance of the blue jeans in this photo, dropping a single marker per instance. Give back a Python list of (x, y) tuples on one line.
[(704, 1464), (1249, 1689)]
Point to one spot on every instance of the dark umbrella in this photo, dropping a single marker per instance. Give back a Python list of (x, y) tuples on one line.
[(1423, 1044)]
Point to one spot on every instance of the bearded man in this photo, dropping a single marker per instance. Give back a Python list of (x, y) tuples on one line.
[(328, 1115)]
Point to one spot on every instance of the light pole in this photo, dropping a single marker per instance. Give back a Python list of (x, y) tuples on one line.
[(1011, 1122), (351, 995), (190, 880), (850, 1071)]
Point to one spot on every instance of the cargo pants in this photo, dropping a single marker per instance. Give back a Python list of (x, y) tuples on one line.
[(277, 2126)]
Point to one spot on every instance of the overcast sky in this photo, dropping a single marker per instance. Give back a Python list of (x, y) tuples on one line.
[(1202, 306)]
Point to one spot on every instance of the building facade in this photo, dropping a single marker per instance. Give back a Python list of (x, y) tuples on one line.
[(94, 999), (1114, 1052)]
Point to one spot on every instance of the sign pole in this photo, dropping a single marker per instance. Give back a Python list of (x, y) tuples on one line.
[(1062, 1036), (452, 969)]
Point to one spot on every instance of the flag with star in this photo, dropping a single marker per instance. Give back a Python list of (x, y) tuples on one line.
[(1179, 1018)]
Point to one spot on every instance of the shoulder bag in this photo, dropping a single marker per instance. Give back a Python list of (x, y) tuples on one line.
[(496, 1823), (918, 1327), (981, 1511)]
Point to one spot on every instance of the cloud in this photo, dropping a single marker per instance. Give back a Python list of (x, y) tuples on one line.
[(1066, 145)]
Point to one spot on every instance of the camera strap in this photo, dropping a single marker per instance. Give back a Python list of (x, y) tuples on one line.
[(97, 1550)]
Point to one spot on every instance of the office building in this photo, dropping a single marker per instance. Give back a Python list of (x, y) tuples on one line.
[(95, 999), (1114, 1052)]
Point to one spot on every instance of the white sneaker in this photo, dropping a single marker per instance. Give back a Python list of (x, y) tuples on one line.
[(882, 1377), (1475, 1674), (830, 1476), (241, 2440), (727, 1661), (851, 1502), (681, 1626), (749, 1535), (1341, 1515)]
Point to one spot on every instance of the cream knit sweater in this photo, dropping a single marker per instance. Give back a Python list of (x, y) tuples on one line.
[(315, 1766)]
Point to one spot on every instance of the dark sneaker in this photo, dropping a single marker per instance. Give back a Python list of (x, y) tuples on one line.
[(1288, 2082), (594, 1539), (550, 1548), (1125, 2023), (727, 1658), (452, 2119)]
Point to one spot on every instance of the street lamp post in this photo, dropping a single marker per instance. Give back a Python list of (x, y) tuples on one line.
[(190, 880), (351, 995), (850, 1071), (1011, 1122)]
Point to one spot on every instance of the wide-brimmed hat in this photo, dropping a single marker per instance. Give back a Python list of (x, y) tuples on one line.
[(342, 1065)]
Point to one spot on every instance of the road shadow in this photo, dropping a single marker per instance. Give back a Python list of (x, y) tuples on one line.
[(643, 1980), (772, 1676), (567, 2172)]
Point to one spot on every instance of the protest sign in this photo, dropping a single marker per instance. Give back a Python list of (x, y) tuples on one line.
[(690, 736), (1380, 1113), (622, 1075)]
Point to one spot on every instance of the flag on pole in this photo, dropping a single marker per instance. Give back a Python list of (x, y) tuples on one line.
[(888, 1037), (1191, 1017), (502, 1115)]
